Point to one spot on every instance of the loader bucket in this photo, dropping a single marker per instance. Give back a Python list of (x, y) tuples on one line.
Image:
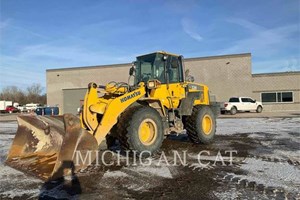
[(43, 145)]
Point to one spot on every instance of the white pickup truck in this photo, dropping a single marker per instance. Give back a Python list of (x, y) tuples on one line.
[(237, 104)]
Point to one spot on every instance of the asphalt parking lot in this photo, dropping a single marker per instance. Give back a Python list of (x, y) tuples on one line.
[(265, 165)]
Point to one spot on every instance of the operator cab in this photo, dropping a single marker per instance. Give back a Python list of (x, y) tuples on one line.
[(161, 66)]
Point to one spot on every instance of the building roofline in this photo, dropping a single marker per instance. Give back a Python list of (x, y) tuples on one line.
[(126, 64), (219, 56), (89, 67), (277, 74)]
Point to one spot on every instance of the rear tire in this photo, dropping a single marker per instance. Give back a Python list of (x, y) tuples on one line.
[(111, 138), (201, 125), (259, 109), (140, 128), (110, 141), (233, 110)]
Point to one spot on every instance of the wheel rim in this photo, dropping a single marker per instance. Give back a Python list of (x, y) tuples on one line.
[(147, 132), (207, 124)]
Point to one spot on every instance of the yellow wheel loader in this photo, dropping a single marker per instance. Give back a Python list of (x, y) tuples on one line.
[(139, 115)]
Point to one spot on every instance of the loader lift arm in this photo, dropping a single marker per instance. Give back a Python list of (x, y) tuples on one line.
[(109, 110)]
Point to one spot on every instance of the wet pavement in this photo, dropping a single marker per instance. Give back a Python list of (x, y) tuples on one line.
[(265, 164)]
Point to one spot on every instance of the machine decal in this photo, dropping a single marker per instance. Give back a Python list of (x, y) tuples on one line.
[(130, 96)]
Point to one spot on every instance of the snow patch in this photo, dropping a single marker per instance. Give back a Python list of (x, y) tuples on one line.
[(20, 192), (258, 125), (114, 174), (271, 174), (161, 171), (9, 127), (17, 182)]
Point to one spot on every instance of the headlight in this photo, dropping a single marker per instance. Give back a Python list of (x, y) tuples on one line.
[(151, 84)]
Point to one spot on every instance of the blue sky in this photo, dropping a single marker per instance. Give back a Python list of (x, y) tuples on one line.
[(36, 35)]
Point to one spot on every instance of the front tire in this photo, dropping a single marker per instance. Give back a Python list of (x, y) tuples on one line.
[(140, 128), (201, 125)]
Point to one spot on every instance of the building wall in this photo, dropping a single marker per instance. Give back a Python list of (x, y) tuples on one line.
[(278, 82), (226, 76), (60, 80)]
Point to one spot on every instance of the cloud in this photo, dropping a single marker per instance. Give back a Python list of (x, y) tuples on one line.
[(8, 24), (191, 28), (4, 24), (27, 31), (29, 65), (254, 28), (262, 41), (72, 55), (284, 64)]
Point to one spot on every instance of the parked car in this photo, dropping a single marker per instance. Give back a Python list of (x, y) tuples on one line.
[(237, 104), (32, 106), (22, 108), (11, 109)]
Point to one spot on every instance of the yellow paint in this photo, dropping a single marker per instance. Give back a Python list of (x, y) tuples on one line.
[(172, 95), (147, 132), (115, 88), (113, 109), (207, 124), (90, 118), (169, 96), (204, 97), (98, 108)]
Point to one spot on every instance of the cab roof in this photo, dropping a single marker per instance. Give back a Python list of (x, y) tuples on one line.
[(160, 52)]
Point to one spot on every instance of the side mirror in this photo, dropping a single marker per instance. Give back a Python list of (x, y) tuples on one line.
[(131, 71), (190, 78)]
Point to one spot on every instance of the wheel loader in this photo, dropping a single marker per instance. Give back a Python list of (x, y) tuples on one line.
[(157, 102)]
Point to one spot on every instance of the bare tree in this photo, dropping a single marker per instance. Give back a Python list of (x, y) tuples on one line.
[(33, 94), (13, 93)]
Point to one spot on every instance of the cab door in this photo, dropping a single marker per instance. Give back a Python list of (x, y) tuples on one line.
[(172, 88), (245, 104), (176, 87), (253, 105)]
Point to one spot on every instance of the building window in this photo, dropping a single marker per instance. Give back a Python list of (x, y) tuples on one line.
[(268, 97), (287, 97), (276, 97)]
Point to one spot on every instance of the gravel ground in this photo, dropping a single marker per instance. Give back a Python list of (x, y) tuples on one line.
[(265, 166)]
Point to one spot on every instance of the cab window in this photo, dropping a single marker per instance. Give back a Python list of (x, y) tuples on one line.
[(174, 70), (233, 100), (245, 100)]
